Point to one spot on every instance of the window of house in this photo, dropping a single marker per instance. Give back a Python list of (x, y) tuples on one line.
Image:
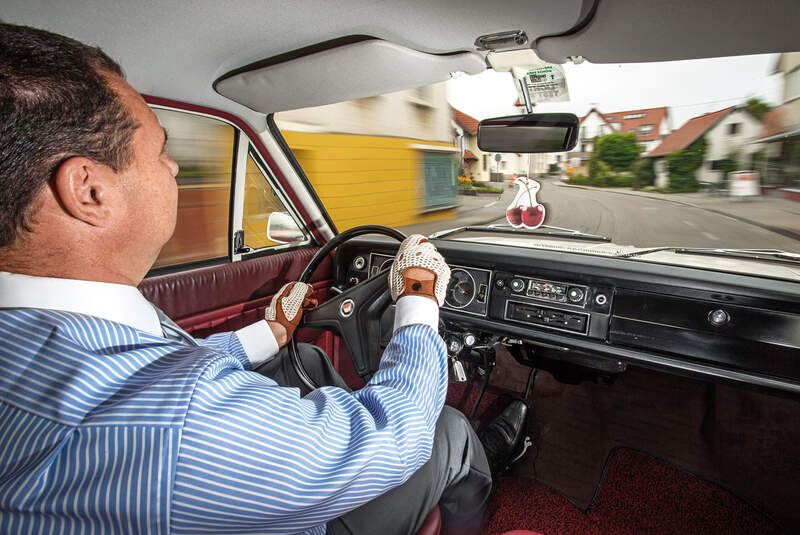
[(485, 162), (734, 128), (634, 116), (260, 201), (203, 148), (583, 147), (792, 85), (646, 129)]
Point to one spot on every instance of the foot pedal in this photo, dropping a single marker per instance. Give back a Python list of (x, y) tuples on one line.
[(527, 443), (459, 375)]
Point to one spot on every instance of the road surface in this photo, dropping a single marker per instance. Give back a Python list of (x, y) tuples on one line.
[(626, 219)]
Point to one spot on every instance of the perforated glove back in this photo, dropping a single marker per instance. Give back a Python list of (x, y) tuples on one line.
[(288, 305), (417, 251)]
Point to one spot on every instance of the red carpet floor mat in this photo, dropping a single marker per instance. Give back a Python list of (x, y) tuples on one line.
[(638, 494)]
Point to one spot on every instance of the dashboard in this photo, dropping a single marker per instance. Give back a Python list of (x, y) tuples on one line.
[(606, 313)]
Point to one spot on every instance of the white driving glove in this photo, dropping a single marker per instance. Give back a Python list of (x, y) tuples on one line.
[(417, 251)]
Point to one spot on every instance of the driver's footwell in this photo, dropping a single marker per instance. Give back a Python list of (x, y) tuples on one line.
[(638, 494)]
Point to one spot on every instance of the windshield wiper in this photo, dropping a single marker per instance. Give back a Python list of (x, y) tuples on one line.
[(557, 232), (766, 255)]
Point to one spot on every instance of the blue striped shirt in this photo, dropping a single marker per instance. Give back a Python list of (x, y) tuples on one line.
[(108, 429)]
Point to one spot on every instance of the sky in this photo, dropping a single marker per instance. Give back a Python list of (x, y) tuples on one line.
[(690, 88)]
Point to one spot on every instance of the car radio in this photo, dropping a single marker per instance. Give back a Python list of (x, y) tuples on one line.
[(545, 290)]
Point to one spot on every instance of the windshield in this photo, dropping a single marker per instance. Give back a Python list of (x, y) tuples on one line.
[(684, 155)]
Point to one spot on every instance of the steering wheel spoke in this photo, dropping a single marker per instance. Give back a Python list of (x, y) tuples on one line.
[(355, 313)]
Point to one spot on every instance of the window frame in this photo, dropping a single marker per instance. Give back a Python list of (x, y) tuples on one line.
[(250, 151), (242, 145)]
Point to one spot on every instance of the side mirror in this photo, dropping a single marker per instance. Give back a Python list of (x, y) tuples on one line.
[(536, 132), (281, 228)]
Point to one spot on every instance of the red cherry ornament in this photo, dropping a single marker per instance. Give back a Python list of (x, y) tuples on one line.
[(514, 215), (533, 216)]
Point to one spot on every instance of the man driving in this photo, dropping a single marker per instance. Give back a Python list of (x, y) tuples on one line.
[(114, 420)]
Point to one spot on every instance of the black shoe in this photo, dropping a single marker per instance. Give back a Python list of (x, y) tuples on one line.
[(504, 438)]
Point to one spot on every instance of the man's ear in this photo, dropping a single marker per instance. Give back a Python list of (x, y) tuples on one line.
[(85, 189)]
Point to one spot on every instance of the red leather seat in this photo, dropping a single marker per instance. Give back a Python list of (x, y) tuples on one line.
[(522, 532), (432, 524)]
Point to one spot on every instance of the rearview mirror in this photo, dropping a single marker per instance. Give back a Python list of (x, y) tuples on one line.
[(537, 132), (281, 228)]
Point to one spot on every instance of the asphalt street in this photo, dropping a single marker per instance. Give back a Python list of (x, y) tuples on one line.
[(626, 219)]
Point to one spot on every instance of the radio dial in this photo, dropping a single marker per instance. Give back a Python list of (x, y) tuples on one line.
[(575, 295), (517, 285)]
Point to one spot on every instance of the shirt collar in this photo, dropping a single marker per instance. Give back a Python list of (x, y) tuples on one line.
[(119, 303)]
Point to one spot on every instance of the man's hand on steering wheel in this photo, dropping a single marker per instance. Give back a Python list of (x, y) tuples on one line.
[(286, 309), (419, 269)]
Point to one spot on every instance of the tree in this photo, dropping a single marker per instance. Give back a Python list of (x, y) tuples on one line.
[(599, 173), (757, 107), (644, 173), (618, 151), (683, 164)]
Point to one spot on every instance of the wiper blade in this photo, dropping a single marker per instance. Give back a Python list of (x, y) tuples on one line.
[(766, 255), (544, 230)]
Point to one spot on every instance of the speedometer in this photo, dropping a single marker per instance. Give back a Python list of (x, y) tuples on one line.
[(461, 290)]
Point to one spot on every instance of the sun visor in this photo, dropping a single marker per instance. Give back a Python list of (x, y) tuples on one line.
[(355, 70), (623, 31)]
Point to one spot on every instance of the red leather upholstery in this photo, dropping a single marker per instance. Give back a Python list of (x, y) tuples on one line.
[(189, 293), (522, 532), (432, 524)]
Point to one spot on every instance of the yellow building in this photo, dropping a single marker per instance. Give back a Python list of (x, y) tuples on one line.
[(387, 160)]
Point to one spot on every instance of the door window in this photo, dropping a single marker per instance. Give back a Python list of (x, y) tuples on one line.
[(260, 202), (203, 148)]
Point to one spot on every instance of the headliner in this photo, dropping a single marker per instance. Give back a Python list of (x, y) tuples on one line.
[(177, 49)]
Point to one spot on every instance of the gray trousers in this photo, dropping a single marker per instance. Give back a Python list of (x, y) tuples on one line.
[(456, 476)]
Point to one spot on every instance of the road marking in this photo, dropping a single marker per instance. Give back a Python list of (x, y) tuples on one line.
[(709, 235), (491, 204), (689, 223)]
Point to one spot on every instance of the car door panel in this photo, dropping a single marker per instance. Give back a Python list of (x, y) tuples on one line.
[(231, 295)]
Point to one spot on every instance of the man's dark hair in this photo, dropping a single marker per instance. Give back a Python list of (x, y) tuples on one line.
[(54, 104)]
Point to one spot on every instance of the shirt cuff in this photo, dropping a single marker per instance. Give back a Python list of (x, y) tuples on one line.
[(258, 342), (416, 310)]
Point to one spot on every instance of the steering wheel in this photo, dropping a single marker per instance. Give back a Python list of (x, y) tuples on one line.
[(354, 314)]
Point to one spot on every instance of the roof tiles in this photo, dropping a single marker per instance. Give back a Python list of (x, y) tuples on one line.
[(688, 133)]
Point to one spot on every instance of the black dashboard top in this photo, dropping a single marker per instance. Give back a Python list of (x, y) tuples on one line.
[(690, 321)]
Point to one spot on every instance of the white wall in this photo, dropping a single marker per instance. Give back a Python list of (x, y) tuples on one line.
[(592, 126), (721, 143)]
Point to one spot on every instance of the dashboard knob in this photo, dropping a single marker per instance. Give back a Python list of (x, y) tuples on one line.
[(601, 299), (359, 262), (469, 339), (575, 295), (718, 317), (454, 346), (517, 285)]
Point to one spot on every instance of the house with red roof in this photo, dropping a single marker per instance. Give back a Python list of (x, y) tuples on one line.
[(780, 136), (729, 133), (651, 126)]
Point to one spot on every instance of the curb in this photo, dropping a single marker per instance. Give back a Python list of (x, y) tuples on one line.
[(778, 230)]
